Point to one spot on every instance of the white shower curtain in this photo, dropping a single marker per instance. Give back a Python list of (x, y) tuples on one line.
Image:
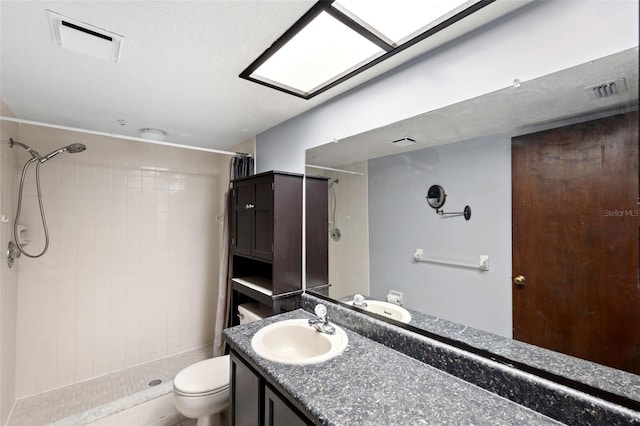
[(224, 293)]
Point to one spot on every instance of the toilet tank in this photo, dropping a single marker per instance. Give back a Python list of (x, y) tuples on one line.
[(249, 312)]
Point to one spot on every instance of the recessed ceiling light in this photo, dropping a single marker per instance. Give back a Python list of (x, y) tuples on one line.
[(336, 40), (84, 38), (400, 19), (322, 50)]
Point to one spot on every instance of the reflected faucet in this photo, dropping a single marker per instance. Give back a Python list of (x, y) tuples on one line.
[(358, 301), (321, 323)]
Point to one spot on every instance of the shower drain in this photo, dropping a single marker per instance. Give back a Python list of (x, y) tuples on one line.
[(155, 382)]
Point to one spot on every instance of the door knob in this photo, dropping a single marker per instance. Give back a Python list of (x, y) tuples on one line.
[(249, 206), (519, 280)]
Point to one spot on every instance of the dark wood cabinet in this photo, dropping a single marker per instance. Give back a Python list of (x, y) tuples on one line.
[(253, 213), (254, 402), (277, 411), (266, 240), (246, 398), (317, 233)]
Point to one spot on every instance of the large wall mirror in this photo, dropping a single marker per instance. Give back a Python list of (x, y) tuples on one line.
[(503, 154)]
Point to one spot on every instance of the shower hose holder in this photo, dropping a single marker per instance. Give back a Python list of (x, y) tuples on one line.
[(12, 253)]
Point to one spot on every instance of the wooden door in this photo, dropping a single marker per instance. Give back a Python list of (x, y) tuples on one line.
[(576, 225)]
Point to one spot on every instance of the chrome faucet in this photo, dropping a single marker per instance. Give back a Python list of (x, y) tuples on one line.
[(322, 322), (358, 301)]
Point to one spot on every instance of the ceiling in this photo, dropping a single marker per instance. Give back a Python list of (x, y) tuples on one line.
[(178, 69)]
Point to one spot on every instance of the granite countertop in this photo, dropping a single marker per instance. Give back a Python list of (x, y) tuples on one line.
[(599, 376), (371, 384)]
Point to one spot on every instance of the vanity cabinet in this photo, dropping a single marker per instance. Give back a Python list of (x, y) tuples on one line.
[(266, 240), (245, 397), (254, 402), (277, 411)]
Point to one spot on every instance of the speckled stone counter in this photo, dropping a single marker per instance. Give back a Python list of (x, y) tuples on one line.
[(557, 401), (371, 384), (599, 376)]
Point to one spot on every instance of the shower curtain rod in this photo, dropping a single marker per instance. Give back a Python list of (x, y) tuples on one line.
[(117, 136), (334, 170)]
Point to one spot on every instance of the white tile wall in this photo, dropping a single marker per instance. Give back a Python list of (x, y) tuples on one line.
[(349, 273), (131, 271)]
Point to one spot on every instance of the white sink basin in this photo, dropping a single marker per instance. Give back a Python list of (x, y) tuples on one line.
[(386, 309), (296, 342)]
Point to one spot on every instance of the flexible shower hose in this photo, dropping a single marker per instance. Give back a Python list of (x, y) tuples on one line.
[(44, 222)]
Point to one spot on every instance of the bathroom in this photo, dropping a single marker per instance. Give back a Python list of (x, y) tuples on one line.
[(179, 268)]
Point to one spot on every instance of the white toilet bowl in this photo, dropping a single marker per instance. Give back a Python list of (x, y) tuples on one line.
[(202, 390)]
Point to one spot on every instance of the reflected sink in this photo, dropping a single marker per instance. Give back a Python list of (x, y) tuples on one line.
[(296, 342), (386, 309)]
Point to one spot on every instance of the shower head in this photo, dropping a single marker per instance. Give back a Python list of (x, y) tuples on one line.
[(31, 151), (72, 149), (75, 148)]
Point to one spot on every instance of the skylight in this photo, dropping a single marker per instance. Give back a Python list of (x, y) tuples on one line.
[(336, 40), (399, 19), (324, 41)]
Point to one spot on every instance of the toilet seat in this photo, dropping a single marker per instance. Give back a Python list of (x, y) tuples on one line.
[(203, 378)]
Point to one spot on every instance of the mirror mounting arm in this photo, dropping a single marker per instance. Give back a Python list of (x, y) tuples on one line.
[(466, 213)]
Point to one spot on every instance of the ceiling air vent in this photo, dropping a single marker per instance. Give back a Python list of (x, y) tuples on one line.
[(84, 38), (606, 90), (403, 142)]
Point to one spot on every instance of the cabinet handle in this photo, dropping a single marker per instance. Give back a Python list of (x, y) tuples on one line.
[(249, 206)]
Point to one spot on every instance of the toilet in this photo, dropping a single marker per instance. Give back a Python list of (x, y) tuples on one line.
[(201, 390)]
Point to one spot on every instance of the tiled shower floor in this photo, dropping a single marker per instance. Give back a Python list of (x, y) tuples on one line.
[(88, 401)]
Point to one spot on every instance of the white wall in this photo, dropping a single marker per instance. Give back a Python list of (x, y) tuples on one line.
[(542, 38), (131, 271), (475, 173), (8, 277)]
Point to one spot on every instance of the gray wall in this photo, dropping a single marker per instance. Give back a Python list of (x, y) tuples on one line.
[(542, 38), (477, 173)]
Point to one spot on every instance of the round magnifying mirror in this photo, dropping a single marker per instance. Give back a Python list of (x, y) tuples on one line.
[(436, 196)]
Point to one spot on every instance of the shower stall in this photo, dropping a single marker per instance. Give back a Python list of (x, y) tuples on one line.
[(123, 283), (348, 231)]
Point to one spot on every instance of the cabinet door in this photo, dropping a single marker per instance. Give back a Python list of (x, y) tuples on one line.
[(242, 218), (317, 237), (262, 242), (278, 413), (246, 395)]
